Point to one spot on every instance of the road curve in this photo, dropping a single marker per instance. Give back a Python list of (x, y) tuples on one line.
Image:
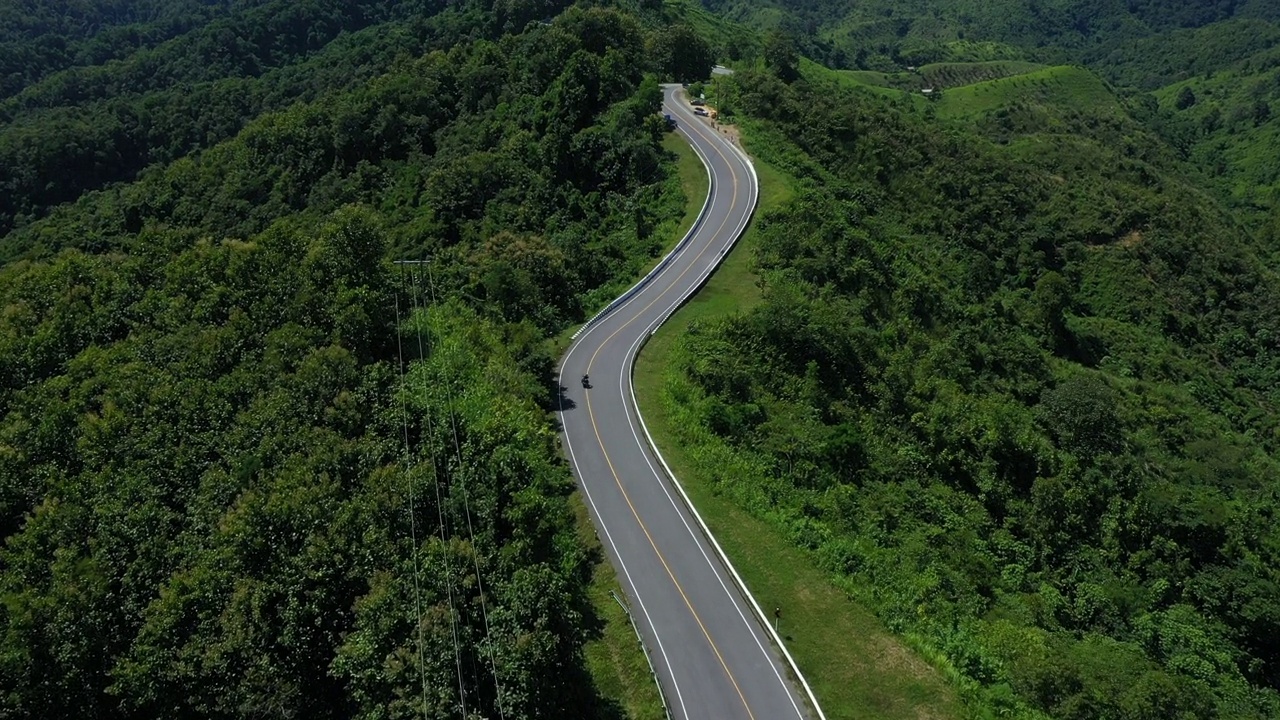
[(712, 656)]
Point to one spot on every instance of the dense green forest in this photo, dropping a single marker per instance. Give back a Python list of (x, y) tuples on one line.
[(38, 38), (84, 127), (1013, 379), (248, 467), (1136, 40), (1012, 382)]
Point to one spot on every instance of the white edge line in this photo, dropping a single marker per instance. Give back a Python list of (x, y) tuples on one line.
[(676, 482), (591, 326), (635, 589)]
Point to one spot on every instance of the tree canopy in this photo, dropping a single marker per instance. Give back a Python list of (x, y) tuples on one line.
[(248, 467)]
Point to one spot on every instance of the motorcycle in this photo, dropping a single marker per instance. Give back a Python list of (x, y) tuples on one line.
[(586, 382)]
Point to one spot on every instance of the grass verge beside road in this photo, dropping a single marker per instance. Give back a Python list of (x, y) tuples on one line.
[(693, 180), (855, 666)]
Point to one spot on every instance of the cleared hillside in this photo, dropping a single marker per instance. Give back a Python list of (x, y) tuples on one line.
[(1065, 87)]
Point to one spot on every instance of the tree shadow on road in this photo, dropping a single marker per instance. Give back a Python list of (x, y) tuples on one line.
[(563, 401), (559, 402)]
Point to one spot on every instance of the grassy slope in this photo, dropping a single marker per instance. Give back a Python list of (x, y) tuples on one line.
[(855, 666), (956, 74), (693, 180), (942, 75), (869, 77), (1060, 86), (1239, 149), (866, 80)]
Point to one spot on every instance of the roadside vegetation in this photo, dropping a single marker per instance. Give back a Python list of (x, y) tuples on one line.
[(855, 665), (1011, 385), (614, 656)]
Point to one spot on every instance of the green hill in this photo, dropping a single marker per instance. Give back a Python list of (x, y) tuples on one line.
[(1228, 124), (1072, 88), (1014, 339), (1152, 62), (1012, 381), (37, 39), (1135, 44), (940, 76)]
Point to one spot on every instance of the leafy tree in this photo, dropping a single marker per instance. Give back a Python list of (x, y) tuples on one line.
[(1051, 298), (781, 56), (1186, 98), (681, 54), (1261, 112)]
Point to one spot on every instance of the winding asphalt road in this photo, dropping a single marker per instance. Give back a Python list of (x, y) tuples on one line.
[(711, 653)]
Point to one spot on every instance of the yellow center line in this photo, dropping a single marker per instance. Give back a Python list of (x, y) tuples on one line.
[(626, 496), (667, 567)]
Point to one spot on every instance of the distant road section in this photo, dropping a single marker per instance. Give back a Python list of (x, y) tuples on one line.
[(713, 657)]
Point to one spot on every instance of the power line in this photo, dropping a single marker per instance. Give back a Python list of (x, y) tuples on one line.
[(444, 540), (466, 505), (413, 511)]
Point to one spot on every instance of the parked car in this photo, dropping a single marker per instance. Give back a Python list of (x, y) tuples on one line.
[(697, 102)]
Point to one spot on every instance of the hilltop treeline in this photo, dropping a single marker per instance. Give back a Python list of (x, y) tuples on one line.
[(82, 128), (1138, 44)]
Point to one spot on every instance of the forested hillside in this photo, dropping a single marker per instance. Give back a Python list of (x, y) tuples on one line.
[(1147, 53), (88, 126), (1138, 41), (1227, 124), (248, 467), (1012, 379), (1013, 383), (39, 38)]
